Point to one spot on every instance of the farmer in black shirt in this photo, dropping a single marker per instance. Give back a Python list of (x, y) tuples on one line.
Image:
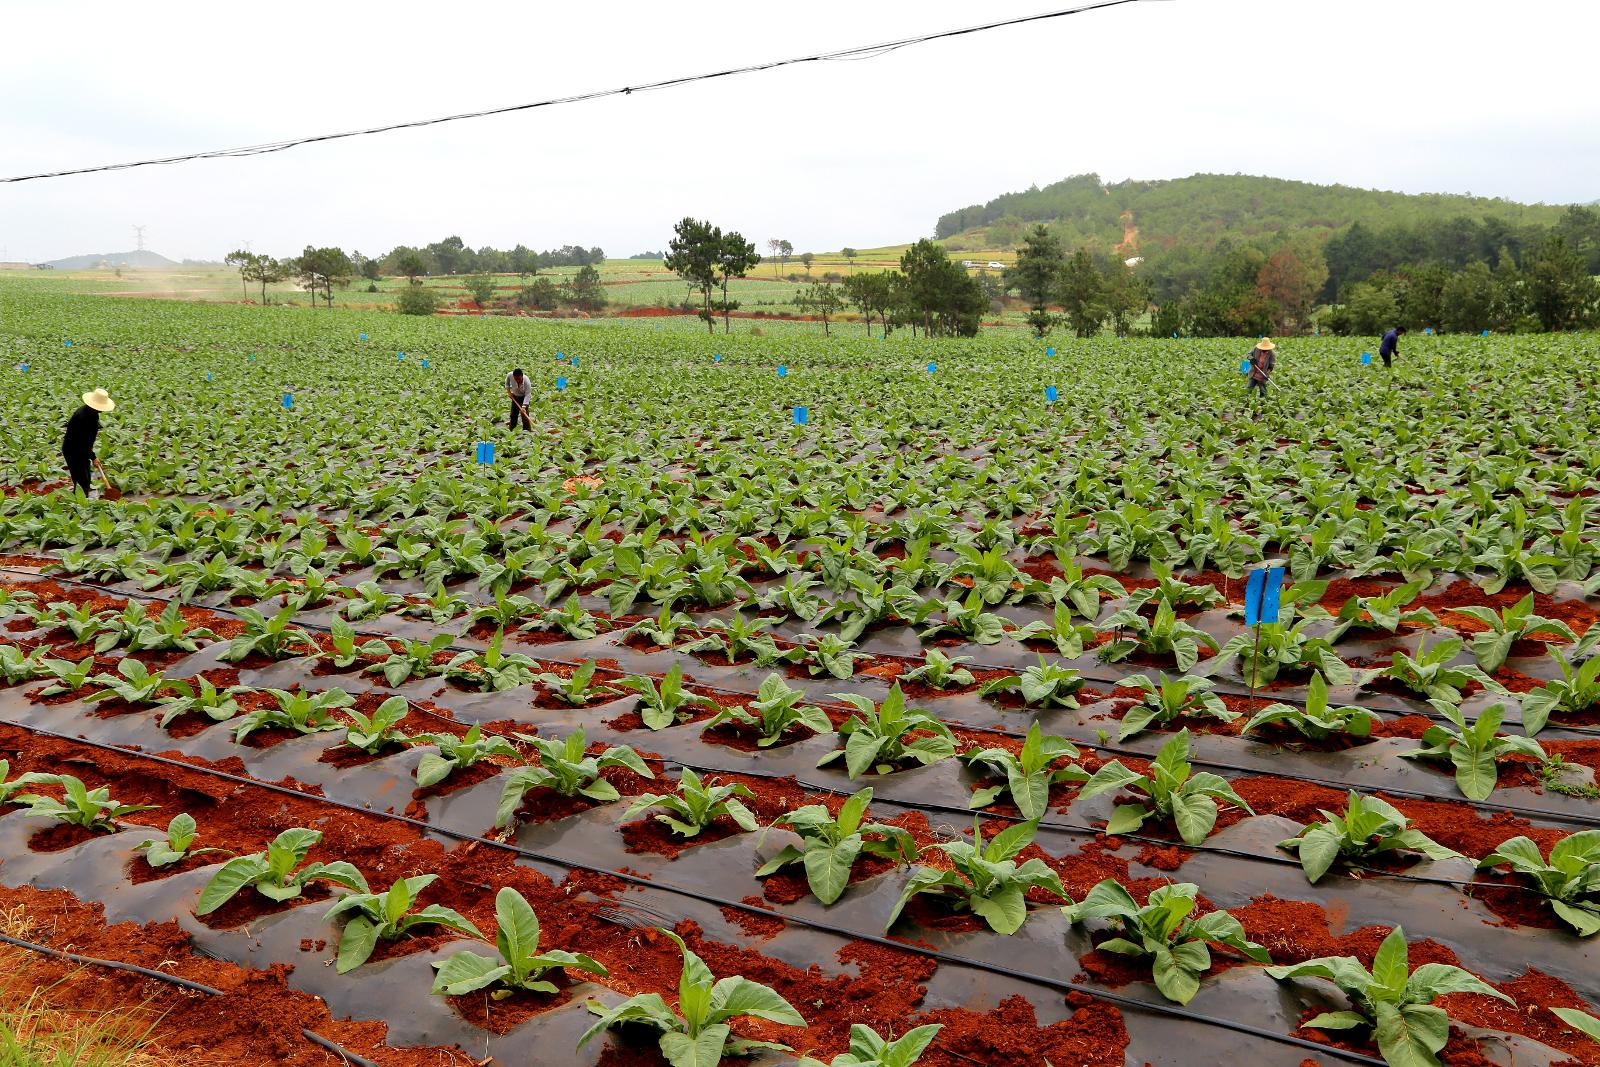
[(1389, 347), (77, 447)]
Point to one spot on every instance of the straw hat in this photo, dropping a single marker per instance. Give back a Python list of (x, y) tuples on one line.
[(1266, 342), (99, 400)]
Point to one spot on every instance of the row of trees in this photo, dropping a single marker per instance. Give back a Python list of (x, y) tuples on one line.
[(452, 256), (929, 292), (706, 258), (1090, 293), (318, 270)]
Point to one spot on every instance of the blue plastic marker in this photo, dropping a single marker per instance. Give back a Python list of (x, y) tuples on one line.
[(208, 376), (424, 362), (801, 416), (932, 367), (69, 343), (363, 337), (1366, 359), (1428, 329), (1050, 351), (252, 357), (1262, 591), (1485, 333), (399, 355), (288, 400), (783, 372), (574, 361), (716, 357), (561, 383), (1244, 366), (485, 452), (1049, 394), (560, 356)]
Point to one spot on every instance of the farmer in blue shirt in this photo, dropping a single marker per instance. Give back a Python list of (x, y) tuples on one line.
[(1389, 347)]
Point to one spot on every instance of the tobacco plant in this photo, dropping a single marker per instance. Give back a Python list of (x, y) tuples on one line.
[(667, 704), (177, 846), (1165, 931), (696, 804), (1043, 684), (1318, 720), (565, 767), (1172, 791), (1569, 880), (276, 872), (1474, 750), (985, 878), (775, 709), (387, 916), (1169, 699), (1369, 828), (1029, 773), (521, 967), (830, 845), (869, 1049), (879, 737), (92, 809), (457, 753)]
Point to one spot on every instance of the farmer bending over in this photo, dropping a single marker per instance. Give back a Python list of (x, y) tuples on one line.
[(1262, 359), (77, 447), (1389, 347), (519, 387)]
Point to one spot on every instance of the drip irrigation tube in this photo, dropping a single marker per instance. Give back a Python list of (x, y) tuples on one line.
[(182, 983), (1479, 805), (1119, 1000)]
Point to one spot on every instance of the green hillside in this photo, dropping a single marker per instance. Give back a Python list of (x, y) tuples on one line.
[(1198, 210)]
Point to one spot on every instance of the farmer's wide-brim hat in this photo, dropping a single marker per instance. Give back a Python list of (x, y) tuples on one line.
[(100, 400), (1266, 342)]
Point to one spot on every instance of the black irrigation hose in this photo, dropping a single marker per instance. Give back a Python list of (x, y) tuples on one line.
[(1119, 1000), (1530, 813), (1479, 805), (172, 979)]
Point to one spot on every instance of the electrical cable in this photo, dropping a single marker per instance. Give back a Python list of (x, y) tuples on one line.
[(844, 54)]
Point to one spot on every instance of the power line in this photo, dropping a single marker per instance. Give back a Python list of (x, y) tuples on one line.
[(857, 53)]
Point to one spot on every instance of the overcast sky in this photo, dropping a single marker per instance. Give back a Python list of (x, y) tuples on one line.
[(1415, 95)]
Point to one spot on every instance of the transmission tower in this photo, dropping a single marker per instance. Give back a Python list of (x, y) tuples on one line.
[(138, 236)]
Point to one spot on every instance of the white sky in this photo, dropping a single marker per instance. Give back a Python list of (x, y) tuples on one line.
[(1419, 95)]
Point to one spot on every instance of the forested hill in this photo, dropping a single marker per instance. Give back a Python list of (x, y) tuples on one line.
[(1198, 210)]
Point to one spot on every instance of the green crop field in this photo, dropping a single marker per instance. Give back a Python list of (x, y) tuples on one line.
[(905, 689)]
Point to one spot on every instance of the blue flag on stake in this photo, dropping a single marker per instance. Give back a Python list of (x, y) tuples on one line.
[(208, 376), (1244, 366), (932, 367), (716, 357), (1050, 351), (288, 400), (561, 383), (1049, 394), (424, 362), (485, 451), (363, 337), (69, 343), (1262, 590), (23, 368), (1366, 358), (783, 372), (801, 416), (399, 355)]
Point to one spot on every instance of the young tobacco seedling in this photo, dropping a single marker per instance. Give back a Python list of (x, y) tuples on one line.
[(1043, 684), (273, 637), (878, 738), (1518, 622), (1578, 689), (305, 713), (495, 670), (414, 660), (372, 735), (700, 1036), (1369, 827), (775, 709), (79, 805), (831, 655), (1165, 932), (457, 753), (940, 671), (387, 916), (132, 683), (1385, 612), (1166, 701), (1070, 638), (1569, 881), (521, 966), (985, 879), (695, 805), (218, 705), (668, 704), (829, 846), (178, 845), (577, 690), (345, 652), (276, 872), (1429, 671), (868, 1049), (1166, 634), (10, 786), (18, 666), (1393, 1001), (1473, 749), (1029, 775), (69, 677), (1317, 720), (565, 767), (1189, 800)]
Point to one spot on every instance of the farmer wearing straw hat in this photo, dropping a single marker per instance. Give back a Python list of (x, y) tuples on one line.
[(77, 447), (1262, 359)]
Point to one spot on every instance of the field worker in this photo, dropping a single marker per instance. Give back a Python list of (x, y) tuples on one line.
[(77, 447), (1389, 347), (1262, 359), (519, 387)]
